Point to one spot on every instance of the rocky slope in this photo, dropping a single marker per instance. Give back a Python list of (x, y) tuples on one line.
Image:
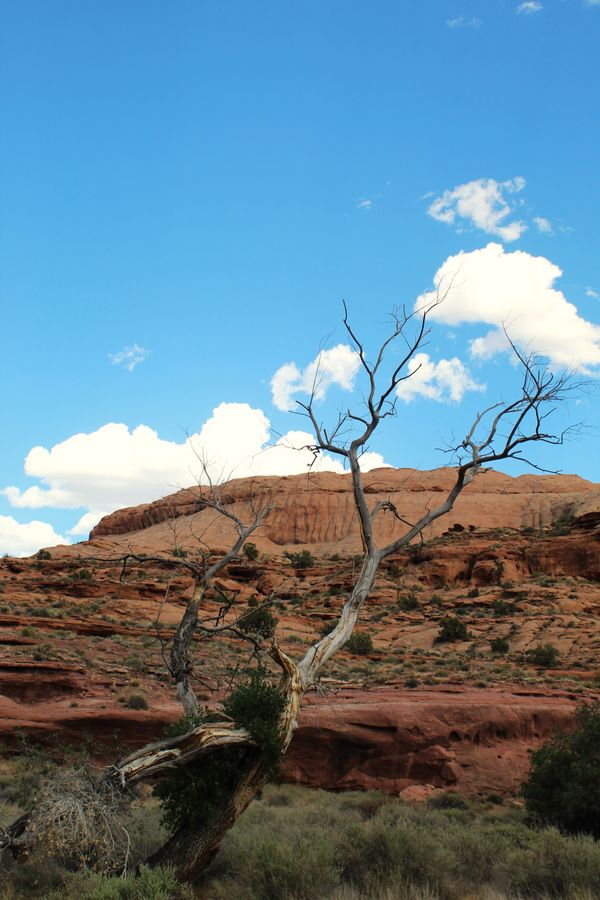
[(517, 559)]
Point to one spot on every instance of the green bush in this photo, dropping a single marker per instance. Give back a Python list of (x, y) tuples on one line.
[(544, 655), (301, 560), (499, 645), (192, 796), (259, 620), (408, 602), (150, 884), (563, 788), (503, 608), (135, 663), (43, 554), (451, 630), (250, 551), (359, 643)]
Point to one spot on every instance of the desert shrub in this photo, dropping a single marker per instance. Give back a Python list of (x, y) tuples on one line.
[(180, 552), (303, 559), (451, 630), (250, 551), (408, 602), (192, 796), (136, 701), (473, 593), (77, 819), (447, 800), (260, 620), (359, 643), (327, 628), (502, 607), (499, 645), (563, 787), (412, 682), (43, 555), (135, 663), (149, 884), (544, 655)]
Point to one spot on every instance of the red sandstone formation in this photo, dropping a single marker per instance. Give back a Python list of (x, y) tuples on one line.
[(475, 741), (317, 511), (518, 558)]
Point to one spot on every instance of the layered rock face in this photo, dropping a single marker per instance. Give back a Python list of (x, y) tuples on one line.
[(476, 741), (517, 559), (317, 510)]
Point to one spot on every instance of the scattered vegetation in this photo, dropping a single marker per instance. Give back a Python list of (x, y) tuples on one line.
[(452, 630), (136, 701), (260, 620), (359, 643), (303, 559), (544, 655), (499, 645)]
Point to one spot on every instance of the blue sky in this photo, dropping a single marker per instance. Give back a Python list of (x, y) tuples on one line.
[(205, 182)]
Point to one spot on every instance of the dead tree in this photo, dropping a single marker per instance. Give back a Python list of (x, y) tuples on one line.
[(501, 431)]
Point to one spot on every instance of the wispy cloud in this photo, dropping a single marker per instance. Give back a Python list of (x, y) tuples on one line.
[(590, 292), (367, 203), (529, 8), (542, 224), (464, 22), (129, 357)]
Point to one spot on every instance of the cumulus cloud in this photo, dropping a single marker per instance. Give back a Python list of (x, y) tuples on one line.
[(114, 466), (445, 380), (529, 8), (337, 365), (464, 22), (129, 357), (17, 539), (494, 287), (483, 203)]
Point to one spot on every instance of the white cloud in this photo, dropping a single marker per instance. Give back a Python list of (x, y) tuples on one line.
[(88, 520), (529, 8), (590, 292), (494, 287), (464, 22), (365, 204), (482, 203), (542, 224), (445, 380), (115, 467), (23, 540), (592, 2), (338, 365), (129, 357)]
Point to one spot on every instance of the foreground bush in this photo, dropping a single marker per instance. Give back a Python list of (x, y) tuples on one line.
[(300, 844), (563, 788)]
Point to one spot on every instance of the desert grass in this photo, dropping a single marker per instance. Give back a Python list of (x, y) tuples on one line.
[(301, 844)]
